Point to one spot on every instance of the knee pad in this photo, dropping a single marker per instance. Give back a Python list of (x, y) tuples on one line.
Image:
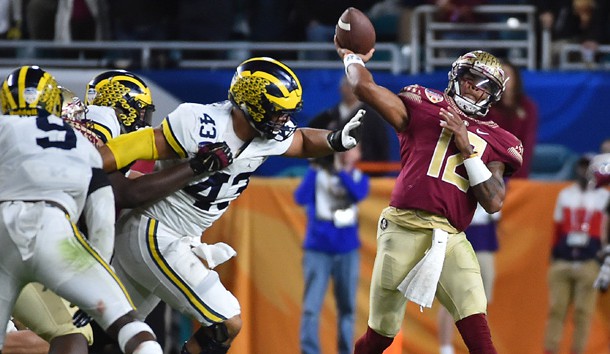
[(211, 339), (129, 330)]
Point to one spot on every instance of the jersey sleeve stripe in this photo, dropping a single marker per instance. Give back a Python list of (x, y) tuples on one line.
[(102, 132), (172, 140), (174, 278)]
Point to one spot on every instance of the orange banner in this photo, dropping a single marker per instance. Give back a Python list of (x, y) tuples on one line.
[(266, 229)]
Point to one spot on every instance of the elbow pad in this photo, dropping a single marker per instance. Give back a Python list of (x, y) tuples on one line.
[(137, 145)]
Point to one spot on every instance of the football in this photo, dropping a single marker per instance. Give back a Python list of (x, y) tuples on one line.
[(355, 31)]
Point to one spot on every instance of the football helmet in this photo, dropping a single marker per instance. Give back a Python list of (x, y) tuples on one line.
[(483, 71), (74, 112), (72, 107), (28, 89), (269, 93), (125, 92)]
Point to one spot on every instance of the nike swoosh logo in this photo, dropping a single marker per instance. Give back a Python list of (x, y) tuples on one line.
[(479, 131)]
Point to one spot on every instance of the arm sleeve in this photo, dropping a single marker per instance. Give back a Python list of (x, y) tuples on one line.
[(99, 214), (137, 145)]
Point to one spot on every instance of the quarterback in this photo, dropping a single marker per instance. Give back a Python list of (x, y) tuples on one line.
[(159, 253), (451, 158)]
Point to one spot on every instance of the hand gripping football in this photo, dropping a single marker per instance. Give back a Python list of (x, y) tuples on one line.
[(355, 31)]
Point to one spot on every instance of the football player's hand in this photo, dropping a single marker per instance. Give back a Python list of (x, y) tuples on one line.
[(211, 157), (342, 52), (348, 137), (451, 120), (603, 277), (81, 319)]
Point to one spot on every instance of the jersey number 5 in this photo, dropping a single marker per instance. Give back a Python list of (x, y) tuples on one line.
[(449, 174), (58, 133)]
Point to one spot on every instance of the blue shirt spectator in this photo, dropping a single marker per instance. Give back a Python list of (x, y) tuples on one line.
[(331, 189)]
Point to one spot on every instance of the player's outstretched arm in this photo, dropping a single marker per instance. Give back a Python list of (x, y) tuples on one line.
[(130, 193), (142, 144), (310, 142), (384, 101)]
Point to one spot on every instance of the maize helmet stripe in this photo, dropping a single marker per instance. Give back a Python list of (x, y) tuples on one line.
[(145, 97), (290, 97), (7, 98), (21, 85)]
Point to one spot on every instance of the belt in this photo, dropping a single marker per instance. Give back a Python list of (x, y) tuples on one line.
[(53, 204)]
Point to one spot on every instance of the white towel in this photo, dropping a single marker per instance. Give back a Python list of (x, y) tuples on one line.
[(214, 254), (420, 284), (23, 222)]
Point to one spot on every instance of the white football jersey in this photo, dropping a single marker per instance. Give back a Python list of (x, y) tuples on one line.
[(195, 207), (44, 159), (105, 122)]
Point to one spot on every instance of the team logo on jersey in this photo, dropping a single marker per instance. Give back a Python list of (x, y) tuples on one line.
[(30, 94), (383, 224), (434, 97)]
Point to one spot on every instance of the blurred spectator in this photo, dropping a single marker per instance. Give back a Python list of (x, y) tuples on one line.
[(458, 11), (319, 17), (65, 20), (579, 215), (574, 21), (82, 20), (482, 234), (517, 113), (404, 24), (40, 18), (260, 14), (142, 20), (204, 21), (331, 190), (375, 141), (10, 19)]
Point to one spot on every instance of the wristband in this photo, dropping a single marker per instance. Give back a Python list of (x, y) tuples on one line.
[(334, 140), (352, 59), (477, 171)]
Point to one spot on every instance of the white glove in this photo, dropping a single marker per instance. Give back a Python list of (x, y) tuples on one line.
[(348, 137), (603, 277), (215, 254)]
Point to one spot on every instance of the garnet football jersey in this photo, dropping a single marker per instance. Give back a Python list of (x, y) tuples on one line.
[(433, 177)]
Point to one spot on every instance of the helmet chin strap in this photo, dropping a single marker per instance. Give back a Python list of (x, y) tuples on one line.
[(467, 105)]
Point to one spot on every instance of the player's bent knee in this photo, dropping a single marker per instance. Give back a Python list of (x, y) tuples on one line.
[(132, 329), (233, 325)]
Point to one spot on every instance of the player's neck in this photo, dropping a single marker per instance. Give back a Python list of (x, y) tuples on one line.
[(242, 128)]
